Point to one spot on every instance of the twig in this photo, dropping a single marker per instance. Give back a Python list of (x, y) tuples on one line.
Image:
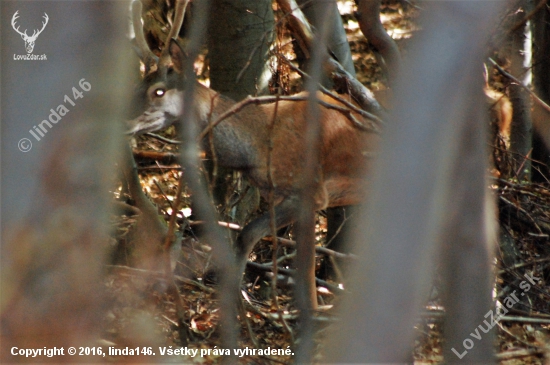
[(318, 249), (289, 272), (169, 239), (526, 319), (284, 241), (513, 78), (523, 211), (163, 139), (517, 266), (525, 159), (514, 336), (327, 92), (259, 100), (159, 167), (337, 231), (158, 274), (249, 60), (538, 318), (528, 16), (273, 225), (165, 157), (508, 355), (537, 225)]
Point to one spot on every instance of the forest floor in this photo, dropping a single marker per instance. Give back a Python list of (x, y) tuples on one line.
[(142, 313)]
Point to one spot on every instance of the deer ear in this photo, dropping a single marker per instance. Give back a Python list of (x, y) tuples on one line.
[(177, 55)]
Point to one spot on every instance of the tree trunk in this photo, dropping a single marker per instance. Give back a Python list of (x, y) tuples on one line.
[(55, 194), (368, 16), (339, 47), (519, 52), (435, 138), (541, 81), (336, 41), (240, 34)]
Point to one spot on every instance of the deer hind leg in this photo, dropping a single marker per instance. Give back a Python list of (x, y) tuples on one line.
[(285, 213)]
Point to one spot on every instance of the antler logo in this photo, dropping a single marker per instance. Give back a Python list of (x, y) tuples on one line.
[(29, 40)]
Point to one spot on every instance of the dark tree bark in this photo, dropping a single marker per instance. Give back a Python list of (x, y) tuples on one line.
[(239, 38), (389, 58), (541, 63), (519, 53), (336, 41), (541, 81)]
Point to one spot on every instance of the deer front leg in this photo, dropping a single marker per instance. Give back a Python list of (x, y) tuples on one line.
[(285, 213)]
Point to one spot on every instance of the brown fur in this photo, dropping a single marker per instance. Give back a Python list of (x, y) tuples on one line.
[(242, 142), (501, 112)]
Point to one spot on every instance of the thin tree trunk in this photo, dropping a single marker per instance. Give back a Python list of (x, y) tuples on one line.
[(337, 43), (519, 52), (223, 255), (541, 81), (306, 293), (369, 21)]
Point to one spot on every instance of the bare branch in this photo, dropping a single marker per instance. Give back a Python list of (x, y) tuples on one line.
[(271, 99)]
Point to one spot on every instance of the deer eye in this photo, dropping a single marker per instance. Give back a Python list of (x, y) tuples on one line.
[(159, 92)]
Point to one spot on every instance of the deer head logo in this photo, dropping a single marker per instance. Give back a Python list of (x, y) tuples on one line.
[(29, 40)]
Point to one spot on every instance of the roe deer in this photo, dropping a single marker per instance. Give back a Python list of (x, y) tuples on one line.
[(241, 141)]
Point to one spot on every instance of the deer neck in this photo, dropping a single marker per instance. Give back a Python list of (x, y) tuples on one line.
[(230, 140)]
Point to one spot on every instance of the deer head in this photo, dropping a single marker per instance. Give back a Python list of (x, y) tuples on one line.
[(29, 40), (159, 90)]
